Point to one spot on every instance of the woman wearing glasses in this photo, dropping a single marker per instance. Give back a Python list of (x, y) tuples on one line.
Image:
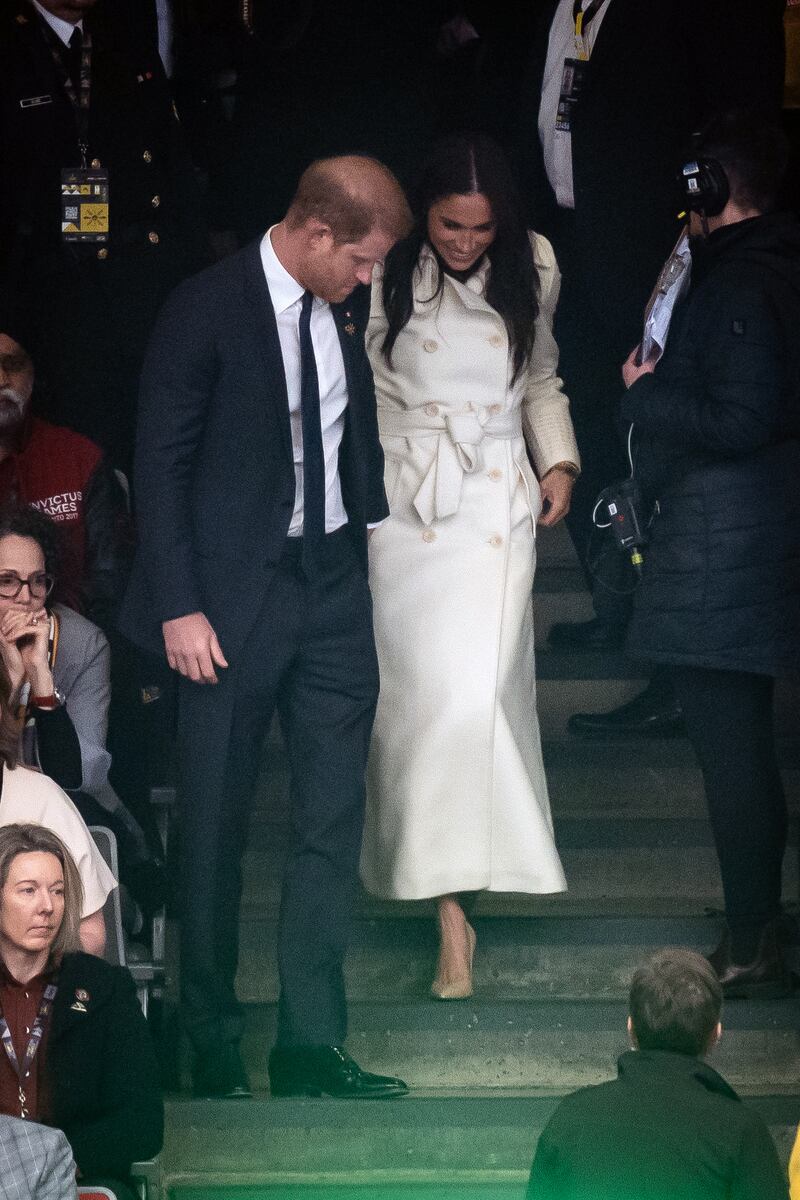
[(58, 664)]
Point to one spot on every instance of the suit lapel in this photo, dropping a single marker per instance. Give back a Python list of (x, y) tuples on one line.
[(266, 337), (81, 991)]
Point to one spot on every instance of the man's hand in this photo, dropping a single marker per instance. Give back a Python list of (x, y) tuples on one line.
[(633, 370), (24, 648), (556, 488), (192, 648)]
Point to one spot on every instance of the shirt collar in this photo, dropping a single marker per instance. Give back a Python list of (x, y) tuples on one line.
[(38, 981), (62, 29), (284, 289)]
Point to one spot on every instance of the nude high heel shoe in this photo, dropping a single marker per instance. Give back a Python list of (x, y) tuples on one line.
[(461, 988)]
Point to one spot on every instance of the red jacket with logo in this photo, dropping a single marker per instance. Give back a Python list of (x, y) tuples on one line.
[(65, 475)]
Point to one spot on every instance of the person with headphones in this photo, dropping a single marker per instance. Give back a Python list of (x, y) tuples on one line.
[(716, 454)]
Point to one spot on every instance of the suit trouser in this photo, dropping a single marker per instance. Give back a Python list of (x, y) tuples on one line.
[(729, 719), (310, 655)]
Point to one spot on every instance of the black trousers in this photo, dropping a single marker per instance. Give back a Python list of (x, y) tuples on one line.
[(311, 655), (729, 719)]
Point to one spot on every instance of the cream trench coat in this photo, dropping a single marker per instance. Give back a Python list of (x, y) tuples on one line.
[(457, 797)]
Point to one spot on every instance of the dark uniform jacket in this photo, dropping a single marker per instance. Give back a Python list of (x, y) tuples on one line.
[(215, 477), (96, 302), (103, 1076), (717, 444), (668, 1128)]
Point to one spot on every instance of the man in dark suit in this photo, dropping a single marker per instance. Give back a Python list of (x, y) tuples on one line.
[(258, 472), (81, 84), (600, 190)]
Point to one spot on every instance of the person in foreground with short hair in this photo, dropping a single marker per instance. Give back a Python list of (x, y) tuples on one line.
[(258, 473), (90, 1070), (36, 1162), (669, 1127)]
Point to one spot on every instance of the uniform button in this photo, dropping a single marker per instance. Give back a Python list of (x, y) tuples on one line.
[(496, 339), (495, 540), (102, 253), (495, 474), (432, 410), (429, 345), (27, 1029), (429, 535), (155, 201), (95, 163), (153, 237), (147, 156)]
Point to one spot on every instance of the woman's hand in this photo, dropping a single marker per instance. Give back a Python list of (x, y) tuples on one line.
[(24, 645), (556, 488)]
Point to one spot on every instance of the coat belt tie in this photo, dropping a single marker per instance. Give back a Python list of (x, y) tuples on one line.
[(458, 450)]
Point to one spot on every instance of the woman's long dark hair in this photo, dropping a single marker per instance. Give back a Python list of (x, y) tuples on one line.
[(462, 165)]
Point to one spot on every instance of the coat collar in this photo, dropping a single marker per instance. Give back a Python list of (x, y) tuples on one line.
[(258, 298), (85, 984), (472, 292), (645, 1067)]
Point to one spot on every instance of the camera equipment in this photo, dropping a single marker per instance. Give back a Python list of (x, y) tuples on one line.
[(623, 503), (705, 186)]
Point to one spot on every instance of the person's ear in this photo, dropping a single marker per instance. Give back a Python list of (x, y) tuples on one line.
[(714, 1038), (319, 235), (632, 1034)]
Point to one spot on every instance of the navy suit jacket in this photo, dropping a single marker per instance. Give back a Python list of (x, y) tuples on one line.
[(214, 475)]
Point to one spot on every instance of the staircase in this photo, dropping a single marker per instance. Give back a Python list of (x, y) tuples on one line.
[(551, 974)]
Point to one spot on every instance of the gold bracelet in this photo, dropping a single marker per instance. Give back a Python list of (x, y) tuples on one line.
[(569, 468)]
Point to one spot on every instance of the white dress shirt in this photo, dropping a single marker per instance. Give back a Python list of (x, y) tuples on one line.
[(287, 295), (62, 29), (557, 143)]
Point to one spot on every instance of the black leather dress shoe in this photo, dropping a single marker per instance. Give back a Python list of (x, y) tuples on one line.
[(765, 978), (654, 713), (219, 1074), (585, 635), (326, 1071)]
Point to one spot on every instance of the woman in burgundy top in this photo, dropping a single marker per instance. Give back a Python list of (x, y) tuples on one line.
[(59, 1011)]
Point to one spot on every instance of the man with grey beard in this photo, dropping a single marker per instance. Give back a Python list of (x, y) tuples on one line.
[(66, 476)]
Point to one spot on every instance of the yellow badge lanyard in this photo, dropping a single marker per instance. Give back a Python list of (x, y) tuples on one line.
[(583, 19)]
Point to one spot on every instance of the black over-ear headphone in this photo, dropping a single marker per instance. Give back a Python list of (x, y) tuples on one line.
[(705, 186)]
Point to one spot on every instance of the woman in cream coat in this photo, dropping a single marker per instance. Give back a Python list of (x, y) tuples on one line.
[(461, 345)]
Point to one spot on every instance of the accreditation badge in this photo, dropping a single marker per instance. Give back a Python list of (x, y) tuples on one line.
[(573, 81), (84, 204)]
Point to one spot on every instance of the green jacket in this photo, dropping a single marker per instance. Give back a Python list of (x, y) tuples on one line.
[(668, 1128)]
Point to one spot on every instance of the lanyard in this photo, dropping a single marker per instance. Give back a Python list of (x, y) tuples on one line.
[(583, 19), (80, 100), (31, 1050)]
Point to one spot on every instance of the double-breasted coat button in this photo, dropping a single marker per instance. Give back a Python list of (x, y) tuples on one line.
[(429, 345), (496, 339), (96, 163), (153, 237), (495, 474), (432, 410), (495, 540), (155, 201), (495, 409), (147, 156), (102, 253), (429, 535)]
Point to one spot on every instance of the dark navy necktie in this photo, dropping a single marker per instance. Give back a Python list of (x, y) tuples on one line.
[(313, 456)]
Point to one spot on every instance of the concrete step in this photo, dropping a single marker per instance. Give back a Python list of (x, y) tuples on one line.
[(561, 958), (425, 1147), (631, 881), (550, 1045)]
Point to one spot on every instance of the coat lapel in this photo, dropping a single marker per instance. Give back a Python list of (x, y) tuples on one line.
[(266, 337), (81, 991)]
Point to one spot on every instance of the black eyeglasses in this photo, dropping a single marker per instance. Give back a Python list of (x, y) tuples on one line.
[(39, 585)]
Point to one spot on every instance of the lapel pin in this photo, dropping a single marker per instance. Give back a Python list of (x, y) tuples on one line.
[(81, 996), (349, 327), (78, 1007)]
